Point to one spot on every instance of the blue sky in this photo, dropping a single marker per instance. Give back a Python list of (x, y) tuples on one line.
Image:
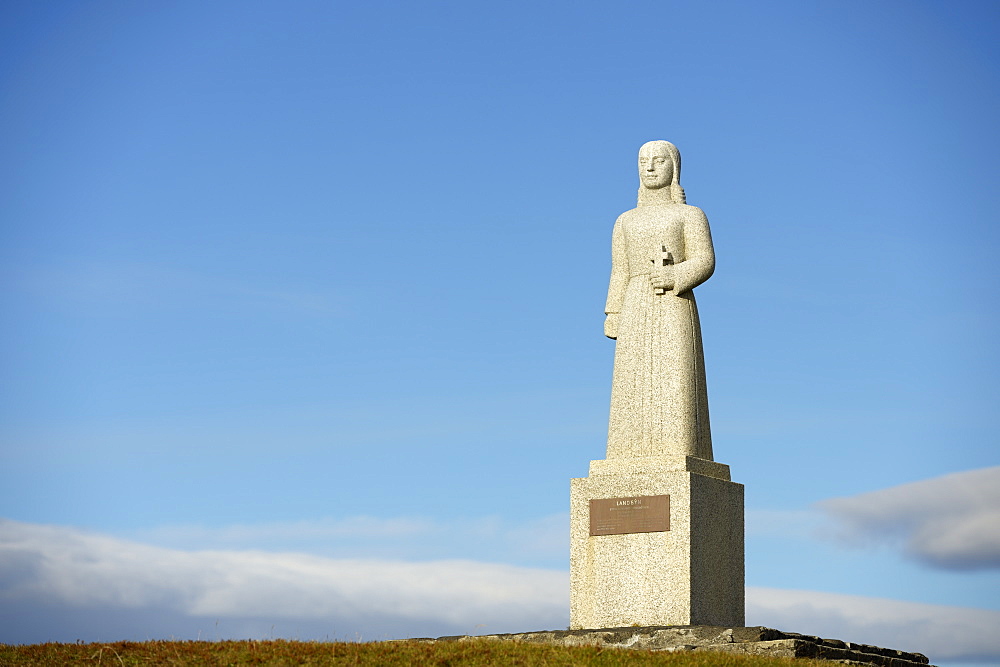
[(322, 282)]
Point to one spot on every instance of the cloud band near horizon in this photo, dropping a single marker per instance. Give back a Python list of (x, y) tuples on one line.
[(65, 584), (950, 522)]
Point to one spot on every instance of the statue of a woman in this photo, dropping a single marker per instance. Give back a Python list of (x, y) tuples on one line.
[(660, 250)]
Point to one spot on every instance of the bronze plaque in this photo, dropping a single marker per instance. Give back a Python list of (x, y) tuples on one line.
[(637, 514)]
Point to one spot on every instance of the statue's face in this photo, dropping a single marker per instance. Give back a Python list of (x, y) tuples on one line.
[(656, 169)]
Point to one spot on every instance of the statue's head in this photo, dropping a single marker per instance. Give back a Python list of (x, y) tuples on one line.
[(660, 167), (659, 164)]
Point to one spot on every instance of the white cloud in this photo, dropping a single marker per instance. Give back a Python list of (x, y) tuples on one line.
[(938, 631), (63, 584), (950, 522), (63, 567)]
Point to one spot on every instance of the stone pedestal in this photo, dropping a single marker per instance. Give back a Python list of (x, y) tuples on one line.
[(690, 574)]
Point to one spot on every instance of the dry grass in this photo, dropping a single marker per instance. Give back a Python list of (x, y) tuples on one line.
[(479, 653)]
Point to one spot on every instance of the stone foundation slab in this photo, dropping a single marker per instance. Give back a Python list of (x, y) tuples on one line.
[(744, 640)]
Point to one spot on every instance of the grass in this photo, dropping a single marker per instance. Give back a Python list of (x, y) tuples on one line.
[(476, 653)]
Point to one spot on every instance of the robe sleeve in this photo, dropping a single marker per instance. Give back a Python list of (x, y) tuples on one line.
[(619, 270), (699, 255)]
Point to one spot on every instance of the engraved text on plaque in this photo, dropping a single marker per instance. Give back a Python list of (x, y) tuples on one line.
[(637, 514)]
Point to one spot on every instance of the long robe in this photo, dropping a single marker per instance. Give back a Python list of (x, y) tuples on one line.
[(659, 402)]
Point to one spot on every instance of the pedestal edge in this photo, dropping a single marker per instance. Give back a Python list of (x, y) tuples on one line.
[(654, 464)]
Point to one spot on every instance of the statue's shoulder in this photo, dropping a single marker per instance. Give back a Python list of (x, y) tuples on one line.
[(692, 212), (627, 215)]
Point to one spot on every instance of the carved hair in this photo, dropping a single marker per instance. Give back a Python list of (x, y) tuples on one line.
[(676, 191)]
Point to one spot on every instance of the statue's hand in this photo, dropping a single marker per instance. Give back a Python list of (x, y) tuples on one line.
[(662, 278), (611, 325)]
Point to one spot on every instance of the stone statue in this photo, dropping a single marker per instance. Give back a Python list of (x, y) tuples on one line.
[(660, 250)]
